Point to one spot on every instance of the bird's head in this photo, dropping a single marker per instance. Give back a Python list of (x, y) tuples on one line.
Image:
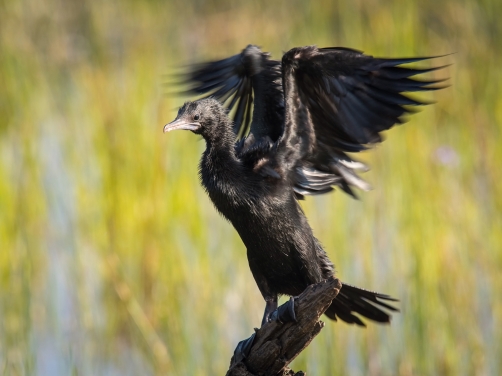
[(206, 117)]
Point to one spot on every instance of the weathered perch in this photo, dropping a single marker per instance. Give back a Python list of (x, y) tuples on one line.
[(277, 344)]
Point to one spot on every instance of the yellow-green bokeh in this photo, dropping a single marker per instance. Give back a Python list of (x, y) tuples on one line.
[(114, 262)]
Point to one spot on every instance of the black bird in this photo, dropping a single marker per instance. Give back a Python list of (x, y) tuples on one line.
[(293, 124)]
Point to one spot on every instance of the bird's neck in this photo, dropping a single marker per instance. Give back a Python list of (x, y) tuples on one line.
[(220, 153)]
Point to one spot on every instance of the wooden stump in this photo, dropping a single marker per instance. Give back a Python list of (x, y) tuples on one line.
[(277, 344)]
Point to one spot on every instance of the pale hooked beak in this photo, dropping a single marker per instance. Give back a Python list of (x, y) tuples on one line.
[(181, 124)]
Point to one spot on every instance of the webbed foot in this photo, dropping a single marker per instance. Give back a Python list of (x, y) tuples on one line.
[(242, 350), (285, 313)]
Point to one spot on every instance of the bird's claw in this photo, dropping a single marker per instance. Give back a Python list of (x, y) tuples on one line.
[(285, 313), (243, 349)]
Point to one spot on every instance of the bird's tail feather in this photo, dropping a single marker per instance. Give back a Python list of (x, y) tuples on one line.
[(369, 304)]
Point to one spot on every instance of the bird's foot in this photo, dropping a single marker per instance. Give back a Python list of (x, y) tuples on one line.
[(242, 350), (270, 308), (285, 313)]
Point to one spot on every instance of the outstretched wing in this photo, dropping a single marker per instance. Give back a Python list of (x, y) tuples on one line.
[(338, 100), (238, 82)]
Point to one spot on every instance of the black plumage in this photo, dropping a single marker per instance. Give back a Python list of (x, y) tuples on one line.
[(293, 124)]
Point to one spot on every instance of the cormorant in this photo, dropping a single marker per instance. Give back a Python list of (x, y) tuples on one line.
[(293, 124)]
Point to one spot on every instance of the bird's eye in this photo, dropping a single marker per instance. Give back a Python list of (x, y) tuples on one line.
[(196, 117)]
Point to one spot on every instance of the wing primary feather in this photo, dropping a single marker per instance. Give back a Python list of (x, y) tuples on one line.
[(401, 72), (249, 110), (378, 63), (239, 114)]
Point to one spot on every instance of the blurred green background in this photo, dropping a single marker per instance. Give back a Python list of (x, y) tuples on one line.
[(113, 260)]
